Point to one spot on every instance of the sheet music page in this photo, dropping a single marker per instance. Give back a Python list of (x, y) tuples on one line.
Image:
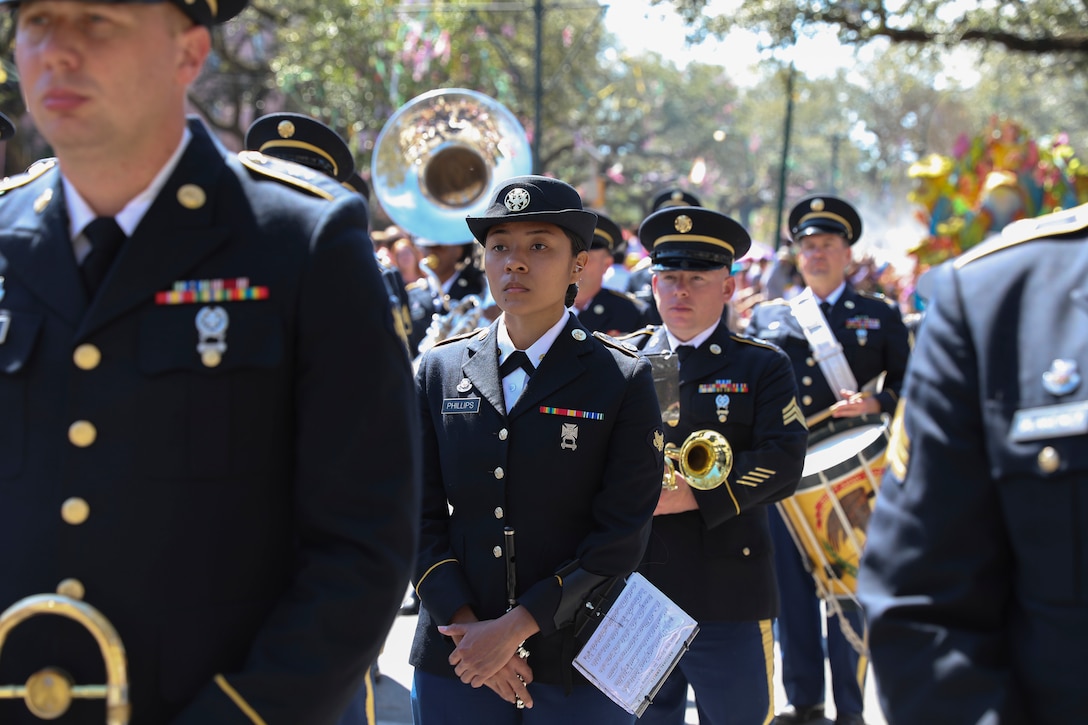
[(636, 645)]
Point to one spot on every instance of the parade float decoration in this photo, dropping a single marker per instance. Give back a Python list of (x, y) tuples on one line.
[(997, 177)]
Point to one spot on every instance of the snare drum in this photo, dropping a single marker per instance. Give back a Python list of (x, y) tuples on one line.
[(829, 514)]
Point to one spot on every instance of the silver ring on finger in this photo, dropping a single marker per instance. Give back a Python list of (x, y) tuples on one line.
[(519, 703)]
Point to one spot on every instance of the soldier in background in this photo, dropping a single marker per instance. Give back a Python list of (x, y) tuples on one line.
[(639, 283), (874, 345), (598, 308)]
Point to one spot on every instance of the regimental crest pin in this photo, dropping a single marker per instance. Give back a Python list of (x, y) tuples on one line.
[(1062, 378), (211, 327), (569, 436)]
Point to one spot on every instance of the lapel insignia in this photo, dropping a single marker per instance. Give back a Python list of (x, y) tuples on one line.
[(658, 441), (464, 386), (849, 304), (191, 196), (715, 349), (197, 291), (598, 309), (578, 335), (722, 402), (1062, 378), (43, 200), (569, 435), (211, 326)]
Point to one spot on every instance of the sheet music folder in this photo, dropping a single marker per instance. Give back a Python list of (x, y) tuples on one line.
[(635, 644)]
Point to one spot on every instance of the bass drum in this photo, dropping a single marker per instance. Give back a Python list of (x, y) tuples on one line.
[(829, 514)]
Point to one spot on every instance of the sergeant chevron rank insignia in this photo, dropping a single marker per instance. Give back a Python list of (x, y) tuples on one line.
[(792, 412)]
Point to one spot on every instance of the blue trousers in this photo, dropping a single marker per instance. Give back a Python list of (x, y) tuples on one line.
[(731, 668), (800, 634), (438, 700)]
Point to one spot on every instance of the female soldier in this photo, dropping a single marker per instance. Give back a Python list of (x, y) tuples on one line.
[(533, 429)]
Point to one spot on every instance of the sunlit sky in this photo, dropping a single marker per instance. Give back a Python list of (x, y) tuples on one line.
[(642, 27)]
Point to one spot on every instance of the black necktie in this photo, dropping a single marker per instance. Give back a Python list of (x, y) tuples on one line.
[(517, 359), (825, 307), (106, 238), (684, 351)]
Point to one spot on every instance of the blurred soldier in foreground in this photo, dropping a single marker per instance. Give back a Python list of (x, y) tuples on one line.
[(208, 444), (973, 576)]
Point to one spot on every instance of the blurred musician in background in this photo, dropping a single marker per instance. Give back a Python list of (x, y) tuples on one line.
[(866, 341), (598, 308), (711, 548)]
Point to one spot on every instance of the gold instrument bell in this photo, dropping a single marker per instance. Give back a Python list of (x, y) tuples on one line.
[(704, 460), (49, 692)]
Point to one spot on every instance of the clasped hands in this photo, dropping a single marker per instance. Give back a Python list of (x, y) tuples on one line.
[(486, 652), (854, 404)]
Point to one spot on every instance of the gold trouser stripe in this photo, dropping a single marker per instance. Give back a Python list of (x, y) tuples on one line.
[(863, 668), (239, 701), (768, 657), (371, 714), (428, 572)]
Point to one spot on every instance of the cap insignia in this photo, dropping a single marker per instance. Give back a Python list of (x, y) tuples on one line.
[(817, 205), (285, 129), (682, 223), (517, 200)]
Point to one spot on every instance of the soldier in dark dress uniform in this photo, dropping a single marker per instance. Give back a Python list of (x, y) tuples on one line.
[(307, 141), (974, 573), (710, 551), (875, 345), (600, 309), (206, 435), (536, 426), (451, 275)]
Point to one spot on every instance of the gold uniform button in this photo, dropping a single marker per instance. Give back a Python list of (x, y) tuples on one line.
[(499, 473), (497, 551), (498, 512), (1049, 460), (87, 357), (82, 433), (807, 400), (746, 551), (806, 380), (503, 434), (810, 362), (72, 588), (75, 511)]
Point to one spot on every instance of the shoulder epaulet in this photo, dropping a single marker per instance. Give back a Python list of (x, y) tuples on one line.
[(642, 264), (625, 348), (648, 330), (292, 174), (462, 336), (34, 171), (1054, 224), (878, 297), (624, 295), (753, 341)]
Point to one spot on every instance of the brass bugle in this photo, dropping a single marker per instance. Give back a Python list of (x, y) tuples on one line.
[(48, 693), (704, 460)]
